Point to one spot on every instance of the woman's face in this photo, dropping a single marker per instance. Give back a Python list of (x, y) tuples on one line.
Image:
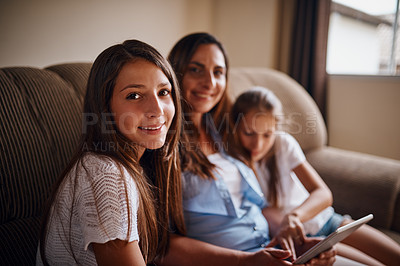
[(256, 133), (142, 104), (204, 80)]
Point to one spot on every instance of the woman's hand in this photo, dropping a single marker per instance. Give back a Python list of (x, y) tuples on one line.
[(325, 258), (273, 256), (186, 251), (266, 256), (290, 234)]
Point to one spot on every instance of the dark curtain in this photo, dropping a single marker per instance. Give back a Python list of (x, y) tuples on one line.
[(309, 48)]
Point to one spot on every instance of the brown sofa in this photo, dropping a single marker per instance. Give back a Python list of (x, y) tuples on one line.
[(40, 116)]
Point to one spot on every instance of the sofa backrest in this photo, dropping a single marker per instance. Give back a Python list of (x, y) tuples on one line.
[(302, 118), (40, 114)]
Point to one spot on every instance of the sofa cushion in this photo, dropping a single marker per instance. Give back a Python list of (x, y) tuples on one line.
[(361, 183), (40, 117), (74, 73), (25, 242)]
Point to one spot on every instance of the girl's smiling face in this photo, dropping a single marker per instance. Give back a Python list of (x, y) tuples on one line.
[(204, 80), (257, 133), (142, 104)]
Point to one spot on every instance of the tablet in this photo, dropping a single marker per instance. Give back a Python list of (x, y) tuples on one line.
[(337, 236)]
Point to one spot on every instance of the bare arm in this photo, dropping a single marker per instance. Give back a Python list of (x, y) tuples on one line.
[(319, 199), (118, 252), (320, 195), (288, 229), (186, 251)]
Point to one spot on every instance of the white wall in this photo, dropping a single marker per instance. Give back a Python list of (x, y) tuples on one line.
[(45, 32), (363, 114), (248, 29)]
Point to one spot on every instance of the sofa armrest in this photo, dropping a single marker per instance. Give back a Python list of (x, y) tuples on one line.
[(361, 184)]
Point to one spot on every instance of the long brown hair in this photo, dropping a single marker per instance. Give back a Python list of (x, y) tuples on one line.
[(156, 175), (194, 160), (257, 99)]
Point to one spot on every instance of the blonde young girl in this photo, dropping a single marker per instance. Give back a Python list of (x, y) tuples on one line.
[(299, 199), (120, 193)]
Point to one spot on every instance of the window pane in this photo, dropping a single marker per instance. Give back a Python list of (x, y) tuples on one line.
[(360, 37)]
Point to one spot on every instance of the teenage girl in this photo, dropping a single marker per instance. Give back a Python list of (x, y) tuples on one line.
[(299, 200), (117, 204)]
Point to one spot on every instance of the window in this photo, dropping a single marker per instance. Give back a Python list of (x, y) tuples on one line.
[(364, 37)]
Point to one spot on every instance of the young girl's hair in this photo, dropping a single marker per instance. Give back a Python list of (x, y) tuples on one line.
[(258, 99), (156, 175), (193, 159)]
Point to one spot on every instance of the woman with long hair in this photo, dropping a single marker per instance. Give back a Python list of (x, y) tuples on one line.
[(222, 200), (120, 195)]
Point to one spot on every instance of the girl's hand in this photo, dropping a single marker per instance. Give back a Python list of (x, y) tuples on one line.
[(290, 234)]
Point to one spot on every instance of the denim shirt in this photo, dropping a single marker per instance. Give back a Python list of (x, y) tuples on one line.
[(210, 215)]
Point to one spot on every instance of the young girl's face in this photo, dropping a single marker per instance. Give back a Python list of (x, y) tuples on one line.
[(204, 81), (256, 133), (142, 104)]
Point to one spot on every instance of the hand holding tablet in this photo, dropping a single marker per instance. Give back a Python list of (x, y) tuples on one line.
[(337, 236)]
